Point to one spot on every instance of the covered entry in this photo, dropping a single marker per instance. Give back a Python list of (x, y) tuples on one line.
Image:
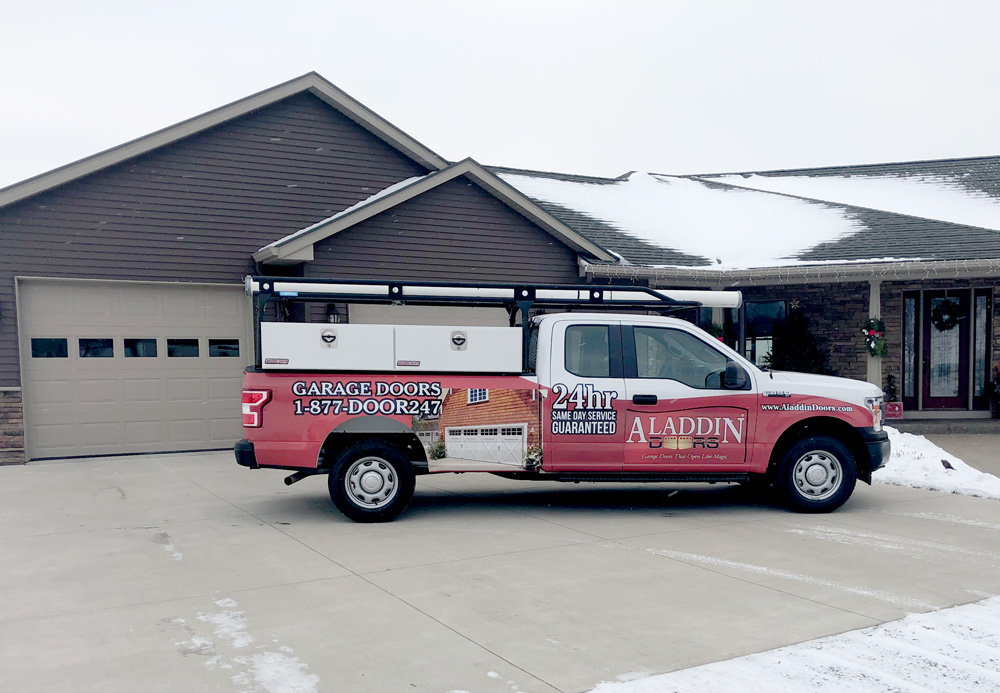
[(128, 367)]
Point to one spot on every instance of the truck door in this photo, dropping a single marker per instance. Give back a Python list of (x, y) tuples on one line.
[(690, 406), (584, 412)]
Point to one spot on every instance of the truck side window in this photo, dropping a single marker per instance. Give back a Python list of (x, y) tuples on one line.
[(676, 355), (588, 353)]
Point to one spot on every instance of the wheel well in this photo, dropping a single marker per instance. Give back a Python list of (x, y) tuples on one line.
[(822, 426), (407, 443)]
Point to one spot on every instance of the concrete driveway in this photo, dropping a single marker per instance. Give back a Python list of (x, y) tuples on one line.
[(187, 573)]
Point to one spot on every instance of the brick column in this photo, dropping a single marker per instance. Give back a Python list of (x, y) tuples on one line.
[(11, 426)]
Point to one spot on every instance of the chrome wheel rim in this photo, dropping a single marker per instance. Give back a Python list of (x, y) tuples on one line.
[(371, 482), (817, 475)]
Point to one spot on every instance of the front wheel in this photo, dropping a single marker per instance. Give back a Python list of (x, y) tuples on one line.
[(817, 475), (371, 481)]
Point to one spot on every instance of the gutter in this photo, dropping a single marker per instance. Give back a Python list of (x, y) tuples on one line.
[(903, 270)]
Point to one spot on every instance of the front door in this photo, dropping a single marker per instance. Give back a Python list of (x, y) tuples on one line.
[(946, 332)]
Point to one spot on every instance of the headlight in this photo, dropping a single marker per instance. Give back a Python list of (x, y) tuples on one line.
[(878, 411)]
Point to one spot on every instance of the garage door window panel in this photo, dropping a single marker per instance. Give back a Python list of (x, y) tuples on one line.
[(141, 348), (97, 348), (182, 348), (223, 348), (49, 348)]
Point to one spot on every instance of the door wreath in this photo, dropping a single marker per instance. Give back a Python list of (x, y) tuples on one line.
[(874, 332), (945, 315)]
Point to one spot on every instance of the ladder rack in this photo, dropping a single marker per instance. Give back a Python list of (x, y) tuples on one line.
[(515, 298)]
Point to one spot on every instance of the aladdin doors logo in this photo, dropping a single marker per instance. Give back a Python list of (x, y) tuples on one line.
[(686, 432)]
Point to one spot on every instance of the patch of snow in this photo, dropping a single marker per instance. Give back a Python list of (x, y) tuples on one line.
[(956, 649), (277, 673), (229, 625), (916, 462), (493, 674), (227, 603), (732, 228), (931, 197)]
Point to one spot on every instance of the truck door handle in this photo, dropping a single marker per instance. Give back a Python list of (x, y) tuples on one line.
[(643, 399)]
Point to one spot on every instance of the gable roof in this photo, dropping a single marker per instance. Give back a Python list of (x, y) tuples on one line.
[(297, 247), (311, 82)]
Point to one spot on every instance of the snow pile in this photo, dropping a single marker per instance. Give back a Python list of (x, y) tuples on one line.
[(731, 228), (955, 649), (917, 462), (930, 197)]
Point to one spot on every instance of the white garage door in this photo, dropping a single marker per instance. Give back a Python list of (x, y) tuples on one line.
[(506, 443), (122, 367)]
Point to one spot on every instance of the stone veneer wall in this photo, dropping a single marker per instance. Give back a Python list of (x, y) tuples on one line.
[(11, 426), (835, 313)]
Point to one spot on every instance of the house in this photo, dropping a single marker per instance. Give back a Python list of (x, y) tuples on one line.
[(124, 327)]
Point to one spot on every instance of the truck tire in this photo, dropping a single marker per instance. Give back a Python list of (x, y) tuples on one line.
[(817, 475), (371, 481)]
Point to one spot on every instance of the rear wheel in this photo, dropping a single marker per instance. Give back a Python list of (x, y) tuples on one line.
[(817, 475), (371, 481)]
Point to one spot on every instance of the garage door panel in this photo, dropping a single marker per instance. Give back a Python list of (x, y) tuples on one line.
[(185, 389), (102, 433), (187, 430), (55, 436), (224, 429), (144, 432), (83, 404), (99, 391), (143, 390), (48, 392), (225, 389)]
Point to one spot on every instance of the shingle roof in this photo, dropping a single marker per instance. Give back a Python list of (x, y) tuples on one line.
[(677, 232)]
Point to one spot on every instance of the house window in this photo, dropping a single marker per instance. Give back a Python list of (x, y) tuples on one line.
[(478, 394), (763, 319)]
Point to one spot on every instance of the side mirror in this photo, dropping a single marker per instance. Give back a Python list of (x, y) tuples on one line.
[(736, 377)]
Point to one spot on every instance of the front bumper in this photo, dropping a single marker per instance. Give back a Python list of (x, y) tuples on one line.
[(245, 456), (879, 449)]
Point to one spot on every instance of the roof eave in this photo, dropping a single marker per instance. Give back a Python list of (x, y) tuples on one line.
[(310, 82), (802, 274)]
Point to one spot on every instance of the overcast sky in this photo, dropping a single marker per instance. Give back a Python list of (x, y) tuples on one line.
[(670, 86)]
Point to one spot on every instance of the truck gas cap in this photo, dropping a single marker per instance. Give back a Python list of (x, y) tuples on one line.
[(459, 340)]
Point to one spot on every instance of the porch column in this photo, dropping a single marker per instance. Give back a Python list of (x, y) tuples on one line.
[(875, 311)]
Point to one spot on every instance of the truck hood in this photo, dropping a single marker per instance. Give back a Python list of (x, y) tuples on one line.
[(845, 389)]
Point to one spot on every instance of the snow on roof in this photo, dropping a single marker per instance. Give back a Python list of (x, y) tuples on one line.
[(944, 198), (732, 228), (368, 200)]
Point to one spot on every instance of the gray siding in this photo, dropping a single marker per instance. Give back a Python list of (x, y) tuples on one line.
[(195, 210), (455, 232)]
